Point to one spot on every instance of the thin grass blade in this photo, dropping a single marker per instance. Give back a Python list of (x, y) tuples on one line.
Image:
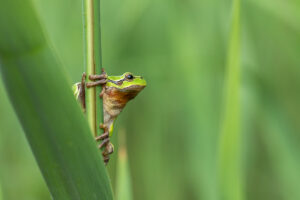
[(123, 182), (229, 155)]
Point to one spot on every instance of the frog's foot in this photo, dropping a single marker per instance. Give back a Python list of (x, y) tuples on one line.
[(106, 159), (106, 145), (99, 79), (109, 149)]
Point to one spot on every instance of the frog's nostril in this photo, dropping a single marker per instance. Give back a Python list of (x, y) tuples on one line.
[(142, 77)]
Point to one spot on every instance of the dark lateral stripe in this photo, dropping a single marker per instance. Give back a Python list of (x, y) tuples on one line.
[(119, 82)]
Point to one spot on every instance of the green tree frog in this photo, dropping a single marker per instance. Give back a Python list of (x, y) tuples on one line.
[(116, 92)]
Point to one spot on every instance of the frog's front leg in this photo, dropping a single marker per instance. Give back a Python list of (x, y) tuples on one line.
[(92, 84), (99, 80)]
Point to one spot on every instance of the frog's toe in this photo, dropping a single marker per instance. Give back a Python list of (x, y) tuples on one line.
[(101, 137), (106, 159), (94, 77), (104, 142), (100, 82), (109, 149)]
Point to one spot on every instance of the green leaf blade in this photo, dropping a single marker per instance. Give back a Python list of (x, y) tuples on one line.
[(56, 129)]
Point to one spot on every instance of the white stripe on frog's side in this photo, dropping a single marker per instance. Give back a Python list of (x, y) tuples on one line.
[(109, 122), (76, 89)]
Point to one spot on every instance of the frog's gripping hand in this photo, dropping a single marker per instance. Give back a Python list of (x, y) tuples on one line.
[(99, 80)]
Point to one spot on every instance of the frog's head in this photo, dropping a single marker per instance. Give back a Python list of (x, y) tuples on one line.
[(127, 84)]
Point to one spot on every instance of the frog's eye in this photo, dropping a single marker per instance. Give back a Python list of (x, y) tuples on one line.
[(129, 76)]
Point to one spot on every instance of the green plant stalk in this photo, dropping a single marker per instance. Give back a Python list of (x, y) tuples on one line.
[(98, 62), (229, 155), (93, 61), (55, 127)]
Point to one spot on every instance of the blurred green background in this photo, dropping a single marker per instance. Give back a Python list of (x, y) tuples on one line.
[(173, 127)]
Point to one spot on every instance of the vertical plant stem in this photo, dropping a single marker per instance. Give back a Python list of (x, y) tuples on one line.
[(98, 62), (230, 158), (93, 60)]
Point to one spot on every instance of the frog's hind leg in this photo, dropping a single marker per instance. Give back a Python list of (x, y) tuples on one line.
[(106, 144), (105, 134), (109, 149)]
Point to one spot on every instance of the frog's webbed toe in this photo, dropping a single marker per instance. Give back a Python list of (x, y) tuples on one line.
[(102, 136)]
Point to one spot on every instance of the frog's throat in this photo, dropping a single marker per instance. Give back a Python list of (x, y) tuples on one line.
[(114, 101)]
